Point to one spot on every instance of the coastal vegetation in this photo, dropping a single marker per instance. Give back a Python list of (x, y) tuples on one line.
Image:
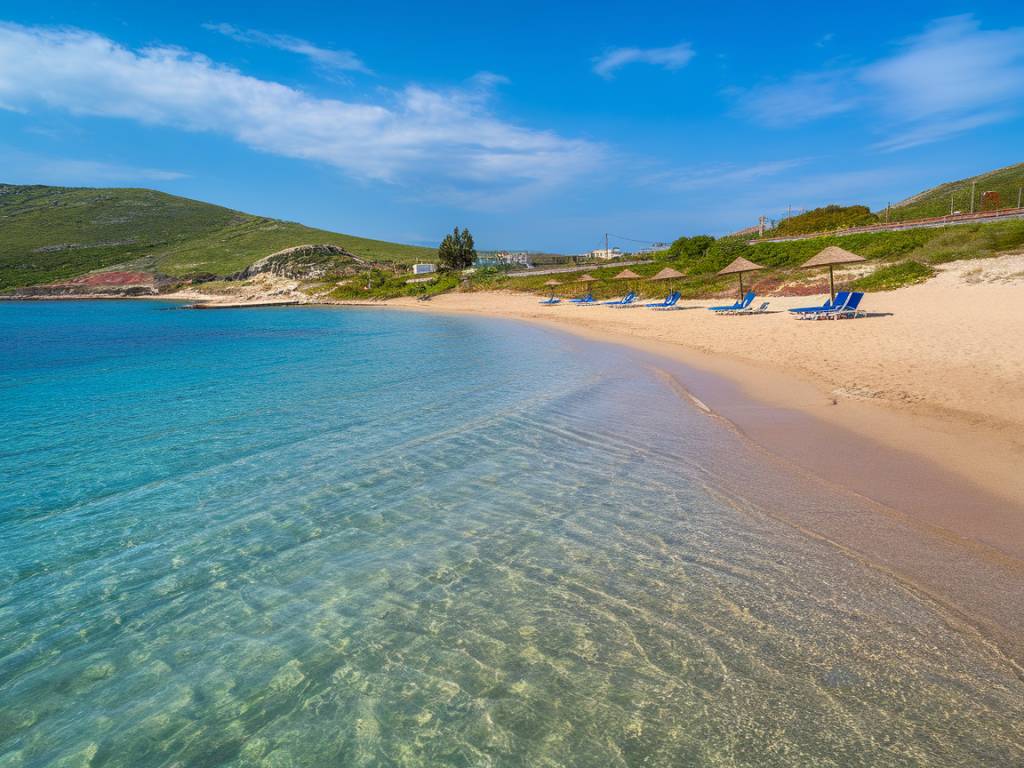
[(55, 233), (1007, 183), (826, 219), (894, 258), (894, 276), (457, 251)]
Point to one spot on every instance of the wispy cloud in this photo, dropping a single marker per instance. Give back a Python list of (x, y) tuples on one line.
[(37, 168), (928, 133), (717, 175), (674, 57), (409, 135), (801, 99), (951, 78), (327, 59), (825, 39)]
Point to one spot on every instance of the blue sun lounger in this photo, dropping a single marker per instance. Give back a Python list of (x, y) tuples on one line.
[(850, 309), (668, 303), (588, 299), (625, 301), (749, 310), (747, 301), (551, 300), (841, 298)]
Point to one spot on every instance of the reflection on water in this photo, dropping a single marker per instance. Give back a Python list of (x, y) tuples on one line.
[(313, 537)]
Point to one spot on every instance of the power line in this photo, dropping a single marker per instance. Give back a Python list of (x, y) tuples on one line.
[(632, 239)]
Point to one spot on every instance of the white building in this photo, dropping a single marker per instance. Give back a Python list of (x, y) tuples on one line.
[(603, 253), (423, 269), (508, 257)]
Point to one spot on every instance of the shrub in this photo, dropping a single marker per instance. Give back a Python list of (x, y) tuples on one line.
[(826, 219), (894, 276)]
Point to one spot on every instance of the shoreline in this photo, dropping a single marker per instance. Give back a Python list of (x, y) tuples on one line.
[(946, 490), (936, 533), (981, 450), (982, 457)]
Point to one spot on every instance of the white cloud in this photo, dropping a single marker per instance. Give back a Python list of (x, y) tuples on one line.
[(801, 99), (326, 58), (674, 57), (415, 134), (716, 176), (36, 169), (953, 67), (953, 77)]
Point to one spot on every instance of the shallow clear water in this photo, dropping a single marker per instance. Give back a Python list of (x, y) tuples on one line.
[(357, 538)]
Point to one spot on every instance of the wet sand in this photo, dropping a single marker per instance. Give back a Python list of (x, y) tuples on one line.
[(944, 481)]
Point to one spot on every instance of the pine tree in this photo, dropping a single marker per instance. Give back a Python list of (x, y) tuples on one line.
[(457, 251)]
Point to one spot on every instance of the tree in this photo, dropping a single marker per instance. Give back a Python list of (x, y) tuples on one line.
[(456, 251), (691, 248)]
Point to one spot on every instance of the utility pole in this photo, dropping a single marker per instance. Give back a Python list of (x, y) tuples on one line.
[(951, 196), (607, 255), (1019, 191), (973, 185), (887, 207)]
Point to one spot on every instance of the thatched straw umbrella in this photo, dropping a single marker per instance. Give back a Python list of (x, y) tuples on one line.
[(627, 274), (667, 274), (587, 278), (830, 257), (738, 267), (552, 284)]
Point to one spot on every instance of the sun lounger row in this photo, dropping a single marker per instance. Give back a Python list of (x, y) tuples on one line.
[(845, 304), (629, 300)]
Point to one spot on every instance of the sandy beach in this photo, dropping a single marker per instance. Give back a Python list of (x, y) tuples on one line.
[(935, 369), (918, 407)]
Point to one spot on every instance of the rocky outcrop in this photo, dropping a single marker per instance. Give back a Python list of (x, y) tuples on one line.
[(305, 262)]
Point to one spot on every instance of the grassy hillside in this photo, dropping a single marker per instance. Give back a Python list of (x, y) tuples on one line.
[(935, 201), (824, 219), (53, 233)]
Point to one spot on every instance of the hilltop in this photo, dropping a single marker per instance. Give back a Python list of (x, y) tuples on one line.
[(935, 201), (824, 219), (57, 233)]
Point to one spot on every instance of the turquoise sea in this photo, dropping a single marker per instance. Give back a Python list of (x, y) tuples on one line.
[(343, 537)]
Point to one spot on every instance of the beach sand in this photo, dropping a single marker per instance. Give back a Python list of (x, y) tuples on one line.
[(919, 407), (936, 369)]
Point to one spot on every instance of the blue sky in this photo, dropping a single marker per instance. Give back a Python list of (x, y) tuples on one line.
[(539, 126)]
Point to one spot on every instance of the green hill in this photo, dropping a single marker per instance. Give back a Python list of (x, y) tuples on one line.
[(830, 217), (54, 233), (935, 201)]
